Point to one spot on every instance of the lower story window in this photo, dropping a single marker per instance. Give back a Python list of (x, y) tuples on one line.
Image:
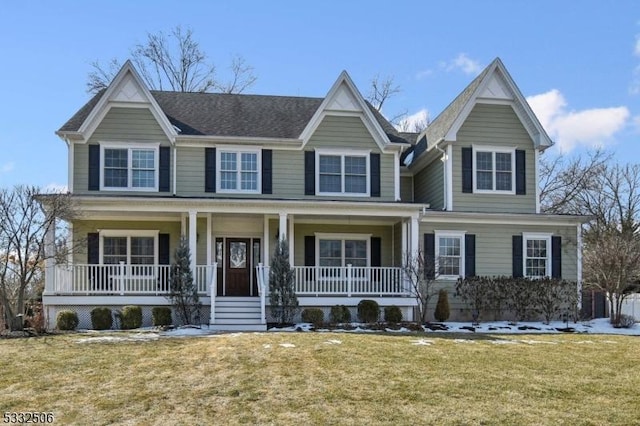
[(130, 249), (342, 252), (536, 256), (449, 254)]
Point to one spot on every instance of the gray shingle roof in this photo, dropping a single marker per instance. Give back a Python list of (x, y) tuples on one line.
[(218, 114)]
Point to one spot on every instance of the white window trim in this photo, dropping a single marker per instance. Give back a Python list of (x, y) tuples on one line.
[(129, 147), (494, 150), (536, 236), (128, 233), (342, 237), (238, 150), (342, 153), (449, 234)]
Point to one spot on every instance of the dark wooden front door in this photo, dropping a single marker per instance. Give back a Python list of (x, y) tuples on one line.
[(238, 267)]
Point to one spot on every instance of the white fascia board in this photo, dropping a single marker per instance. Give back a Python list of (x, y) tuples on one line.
[(202, 141), (100, 109), (502, 218), (372, 124)]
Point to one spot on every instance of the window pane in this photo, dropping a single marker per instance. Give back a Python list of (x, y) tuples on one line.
[(503, 161), (114, 250), (355, 184), (449, 266), (228, 180), (143, 159), (330, 183), (249, 181), (449, 255), (503, 181), (115, 178), (249, 161), (142, 246), (355, 165), (484, 161), (484, 180), (143, 178), (228, 161), (116, 158), (330, 164), (115, 168), (330, 248), (237, 255)]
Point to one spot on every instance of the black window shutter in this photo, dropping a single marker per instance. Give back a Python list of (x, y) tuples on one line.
[(309, 250), (209, 170), (521, 173), (467, 170), (469, 255), (516, 250), (94, 168), (374, 163), (376, 251), (164, 252), (165, 168), (430, 256), (93, 248), (556, 257), (267, 171), (309, 173)]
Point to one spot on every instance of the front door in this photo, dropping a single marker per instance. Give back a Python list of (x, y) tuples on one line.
[(238, 267)]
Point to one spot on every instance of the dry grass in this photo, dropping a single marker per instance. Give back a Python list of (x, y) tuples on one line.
[(365, 379)]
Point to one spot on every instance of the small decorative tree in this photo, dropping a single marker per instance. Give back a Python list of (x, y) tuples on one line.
[(420, 273), (282, 295), (183, 292), (442, 306)]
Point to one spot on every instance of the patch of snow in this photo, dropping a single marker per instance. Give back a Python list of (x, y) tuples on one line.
[(422, 342), (464, 341), (266, 346), (139, 337), (504, 342), (333, 342), (287, 345), (538, 342), (400, 330)]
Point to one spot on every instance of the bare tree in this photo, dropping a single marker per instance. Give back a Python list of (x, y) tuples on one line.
[(420, 274), (175, 62), (417, 125), (23, 225), (382, 88), (562, 180)]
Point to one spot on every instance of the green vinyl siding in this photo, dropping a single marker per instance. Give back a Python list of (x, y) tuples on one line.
[(82, 227), (190, 172), (498, 126), (406, 189), (494, 253), (135, 125), (384, 232), (344, 133), (429, 185)]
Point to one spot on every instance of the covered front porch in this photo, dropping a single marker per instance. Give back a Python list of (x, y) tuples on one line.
[(338, 255)]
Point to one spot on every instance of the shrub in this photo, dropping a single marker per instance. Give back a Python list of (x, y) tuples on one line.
[(392, 314), (161, 316), (67, 320), (313, 315), (131, 317), (474, 292), (626, 321), (442, 306), (340, 314), (553, 295), (368, 311), (101, 318)]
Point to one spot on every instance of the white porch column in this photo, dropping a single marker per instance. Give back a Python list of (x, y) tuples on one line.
[(282, 233), (291, 243), (193, 238), (414, 239), (183, 225), (265, 242), (49, 253), (209, 239), (404, 247)]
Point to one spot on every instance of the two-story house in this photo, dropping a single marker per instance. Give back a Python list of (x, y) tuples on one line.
[(236, 173)]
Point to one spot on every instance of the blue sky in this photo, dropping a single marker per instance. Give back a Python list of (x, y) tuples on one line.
[(578, 62)]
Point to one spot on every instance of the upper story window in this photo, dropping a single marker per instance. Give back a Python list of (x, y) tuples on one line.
[(129, 168), (537, 255), (342, 173), (494, 169), (450, 254), (239, 170)]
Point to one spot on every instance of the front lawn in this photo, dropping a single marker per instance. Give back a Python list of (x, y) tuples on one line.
[(324, 378)]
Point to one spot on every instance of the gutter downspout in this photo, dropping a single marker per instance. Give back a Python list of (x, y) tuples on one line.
[(444, 160)]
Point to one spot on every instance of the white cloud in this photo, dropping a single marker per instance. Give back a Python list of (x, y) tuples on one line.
[(415, 122), (7, 167), (589, 127), (56, 188), (463, 63)]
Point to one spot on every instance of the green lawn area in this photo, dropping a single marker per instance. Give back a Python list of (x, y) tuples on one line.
[(326, 378)]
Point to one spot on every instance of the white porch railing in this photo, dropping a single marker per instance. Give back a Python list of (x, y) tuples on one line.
[(342, 281), (123, 279), (262, 276)]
